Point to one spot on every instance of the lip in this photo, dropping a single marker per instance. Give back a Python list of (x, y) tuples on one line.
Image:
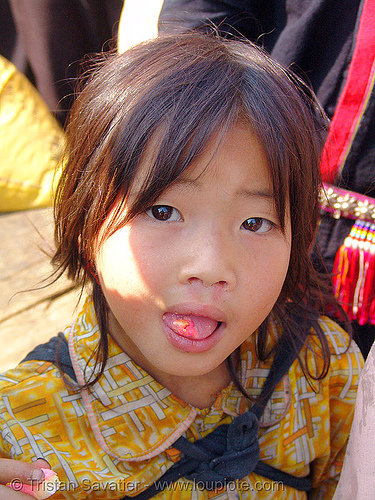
[(207, 310), (192, 345)]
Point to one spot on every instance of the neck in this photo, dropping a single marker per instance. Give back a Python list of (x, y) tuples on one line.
[(198, 391)]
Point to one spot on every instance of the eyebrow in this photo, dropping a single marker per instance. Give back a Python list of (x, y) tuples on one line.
[(243, 193), (255, 193)]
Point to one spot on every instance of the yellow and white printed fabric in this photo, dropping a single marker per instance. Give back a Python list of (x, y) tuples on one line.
[(117, 439)]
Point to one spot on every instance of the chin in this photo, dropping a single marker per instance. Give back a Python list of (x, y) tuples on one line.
[(196, 369)]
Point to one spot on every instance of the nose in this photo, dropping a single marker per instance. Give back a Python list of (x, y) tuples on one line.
[(209, 258)]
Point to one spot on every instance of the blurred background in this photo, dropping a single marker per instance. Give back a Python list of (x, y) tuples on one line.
[(33, 107)]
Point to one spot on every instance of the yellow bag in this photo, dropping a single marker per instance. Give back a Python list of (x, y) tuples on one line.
[(31, 143)]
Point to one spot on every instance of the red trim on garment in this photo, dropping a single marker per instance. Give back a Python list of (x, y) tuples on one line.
[(354, 98)]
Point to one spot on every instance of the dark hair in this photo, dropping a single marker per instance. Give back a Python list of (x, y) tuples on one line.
[(178, 92)]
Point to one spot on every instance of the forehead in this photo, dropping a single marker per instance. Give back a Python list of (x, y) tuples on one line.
[(233, 156), (223, 155)]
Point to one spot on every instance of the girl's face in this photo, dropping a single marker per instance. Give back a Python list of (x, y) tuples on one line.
[(190, 279)]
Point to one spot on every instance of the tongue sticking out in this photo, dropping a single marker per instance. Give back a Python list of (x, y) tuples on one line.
[(190, 326)]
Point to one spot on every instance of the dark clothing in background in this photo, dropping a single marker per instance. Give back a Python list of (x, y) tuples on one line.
[(313, 37), (56, 35), (316, 39)]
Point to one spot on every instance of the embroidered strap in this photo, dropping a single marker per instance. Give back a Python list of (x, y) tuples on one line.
[(354, 98), (354, 265), (343, 203)]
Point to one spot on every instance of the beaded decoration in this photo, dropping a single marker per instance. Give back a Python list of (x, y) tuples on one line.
[(343, 203)]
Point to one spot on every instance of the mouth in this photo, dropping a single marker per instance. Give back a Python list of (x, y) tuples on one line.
[(191, 325), (191, 332)]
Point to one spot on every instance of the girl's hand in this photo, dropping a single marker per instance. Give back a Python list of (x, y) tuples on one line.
[(19, 473)]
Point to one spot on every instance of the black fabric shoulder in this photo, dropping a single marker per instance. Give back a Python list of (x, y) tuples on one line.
[(56, 351)]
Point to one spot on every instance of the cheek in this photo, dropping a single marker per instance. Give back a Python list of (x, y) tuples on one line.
[(267, 270), (122, 283), (128, 264), (115, 264), (281, 266)]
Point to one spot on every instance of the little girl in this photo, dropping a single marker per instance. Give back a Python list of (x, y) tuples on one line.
[(188, 206)]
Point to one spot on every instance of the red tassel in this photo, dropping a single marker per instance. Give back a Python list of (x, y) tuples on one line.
[(354, 273), (367, 291)]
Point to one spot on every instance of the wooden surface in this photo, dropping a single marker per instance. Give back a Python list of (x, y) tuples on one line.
[(30, 312)]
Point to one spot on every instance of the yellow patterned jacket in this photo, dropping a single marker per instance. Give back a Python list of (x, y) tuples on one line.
[(118, 439)]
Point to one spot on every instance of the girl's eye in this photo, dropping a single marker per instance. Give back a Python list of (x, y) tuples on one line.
[(164, 213), (258, 225)]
